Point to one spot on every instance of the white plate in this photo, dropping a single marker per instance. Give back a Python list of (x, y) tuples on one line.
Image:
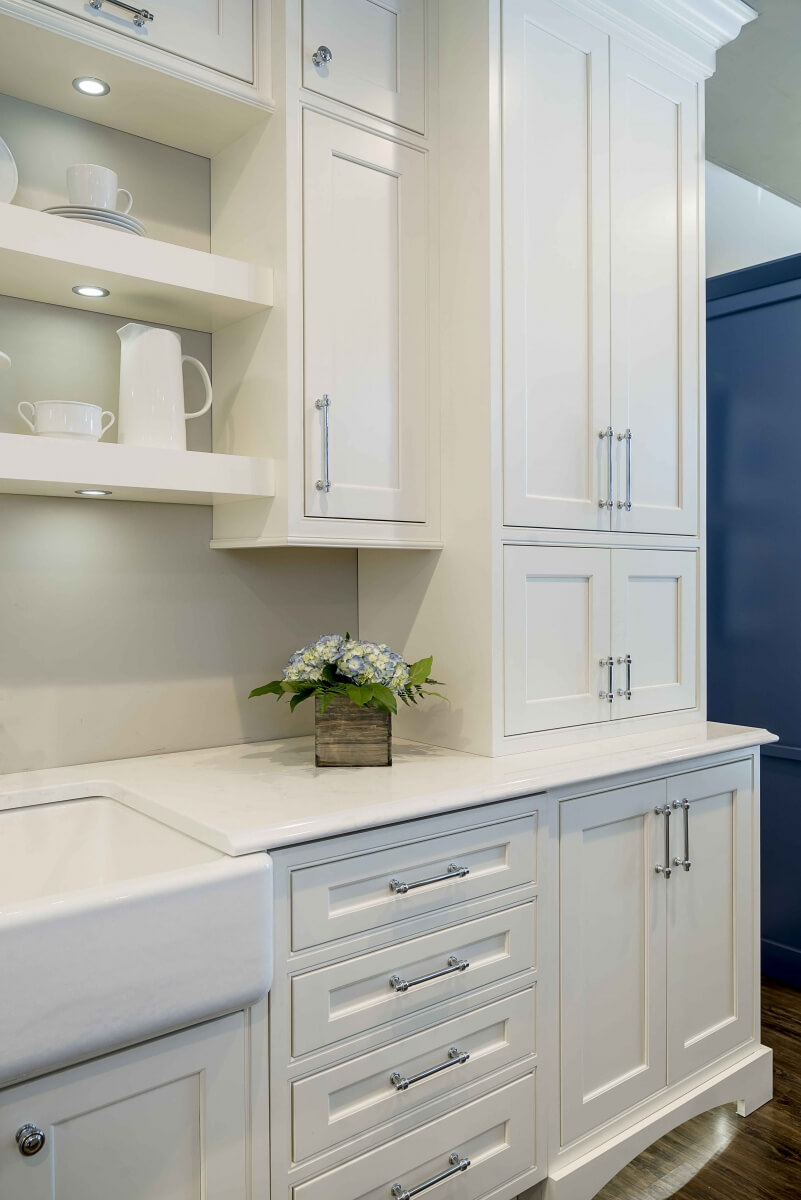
[(111, 225), (99, 217), (9, 178)]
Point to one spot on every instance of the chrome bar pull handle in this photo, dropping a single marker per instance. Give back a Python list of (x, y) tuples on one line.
[(609, 694), (663, 810), (678, 861), (457, 1164), (399, 888), (140, 15), (626, 437), (323, 406), (455, 1058), (455, 965), (609, 434), (626, 691)]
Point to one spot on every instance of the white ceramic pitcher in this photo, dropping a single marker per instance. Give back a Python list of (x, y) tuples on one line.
[(151, 411)]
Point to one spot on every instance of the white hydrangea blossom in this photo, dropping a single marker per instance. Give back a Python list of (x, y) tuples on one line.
[(371, 662), (306, 664)]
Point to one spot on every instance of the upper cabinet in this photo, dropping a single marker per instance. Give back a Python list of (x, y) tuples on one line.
[(601, 211), (365, 323), (368, 55), (214, 33)]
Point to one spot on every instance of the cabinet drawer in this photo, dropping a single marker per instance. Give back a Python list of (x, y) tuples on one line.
[(377, 58), (496, 1134), (359, 1095), (354, 996), (339, 899)]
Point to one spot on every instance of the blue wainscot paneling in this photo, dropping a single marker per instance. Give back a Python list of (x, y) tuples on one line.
[(754, 560)]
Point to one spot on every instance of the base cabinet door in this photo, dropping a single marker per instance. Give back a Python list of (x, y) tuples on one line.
[(214, 33), (710, 916), (612, 954), (166, 1120), (365, 323)]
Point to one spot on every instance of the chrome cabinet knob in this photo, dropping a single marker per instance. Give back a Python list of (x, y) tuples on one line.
[(321, 56), (30, 1140)]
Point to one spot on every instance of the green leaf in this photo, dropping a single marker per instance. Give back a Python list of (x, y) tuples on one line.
[(384, 698), (419, 671), (276, 688), (359, 694), (298, 698), (325, 700), (438, 694)]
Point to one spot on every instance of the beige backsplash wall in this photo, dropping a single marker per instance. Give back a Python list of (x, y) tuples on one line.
[(124, 634)]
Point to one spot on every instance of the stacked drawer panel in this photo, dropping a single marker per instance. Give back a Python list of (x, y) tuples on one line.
[(408, 1000)]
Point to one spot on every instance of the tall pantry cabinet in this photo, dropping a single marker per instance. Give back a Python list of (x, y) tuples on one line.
[(572, 375)]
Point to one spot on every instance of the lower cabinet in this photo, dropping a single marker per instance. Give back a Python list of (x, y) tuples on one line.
[(656, 937), (166, 1120), (593, 635)]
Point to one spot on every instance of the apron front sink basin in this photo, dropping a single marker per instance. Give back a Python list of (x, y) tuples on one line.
[(115, 928)]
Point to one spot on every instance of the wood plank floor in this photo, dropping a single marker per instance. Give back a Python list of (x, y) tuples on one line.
[(720, 1156)]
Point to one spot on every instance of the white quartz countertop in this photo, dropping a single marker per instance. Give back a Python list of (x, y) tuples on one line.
[(258, 796)]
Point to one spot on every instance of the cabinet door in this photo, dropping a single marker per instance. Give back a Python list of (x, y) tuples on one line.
[(214, 33), (556, 631), (556, 268), (378, 56), (655, 283), (164, 1120), (654, 623), (711, 918), (365, 323), (612, 953)]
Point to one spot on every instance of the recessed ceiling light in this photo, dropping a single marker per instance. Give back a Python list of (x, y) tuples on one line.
[(89, 85), (90, 290), (91, 492)]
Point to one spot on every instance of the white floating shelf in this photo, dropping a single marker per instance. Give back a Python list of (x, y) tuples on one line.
[(42, 466), (42, 257)]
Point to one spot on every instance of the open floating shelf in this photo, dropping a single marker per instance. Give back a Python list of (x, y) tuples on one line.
[(42, 466), (42, 257)]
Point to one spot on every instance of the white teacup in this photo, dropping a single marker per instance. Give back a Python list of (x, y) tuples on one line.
[(91, 186), (66, 419)]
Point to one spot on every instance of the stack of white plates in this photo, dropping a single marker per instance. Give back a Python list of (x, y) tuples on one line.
[(99, 216)]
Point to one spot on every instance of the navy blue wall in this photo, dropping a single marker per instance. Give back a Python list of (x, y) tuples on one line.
[(754, 558)]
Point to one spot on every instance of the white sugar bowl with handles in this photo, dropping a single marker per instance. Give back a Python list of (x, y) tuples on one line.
[(151, 411)]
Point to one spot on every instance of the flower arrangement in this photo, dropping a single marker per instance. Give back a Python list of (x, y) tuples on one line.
[(369, 674)]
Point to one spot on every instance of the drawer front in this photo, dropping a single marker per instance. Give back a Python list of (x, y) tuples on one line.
[(377, 59), (354, 996), (340, 899), (359, 1095), (496, 1134)]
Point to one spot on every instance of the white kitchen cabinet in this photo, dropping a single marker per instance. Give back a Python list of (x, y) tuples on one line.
[(365, 323), (655, 266), (601, 213), (214, 33), (710, 933), (167, 1119), (657, 967), (368, 55), (612, 950), (593, 634)]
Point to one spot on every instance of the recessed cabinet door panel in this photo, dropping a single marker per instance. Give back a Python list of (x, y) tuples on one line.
[(364, 323), (654, 623), (612, 951), (378, 56), (556, 631), (556, 267), (710, 918), (214, 33), (655, 347), (166, 1119)]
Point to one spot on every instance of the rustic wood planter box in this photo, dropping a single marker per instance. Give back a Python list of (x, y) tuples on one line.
[(348, 736)]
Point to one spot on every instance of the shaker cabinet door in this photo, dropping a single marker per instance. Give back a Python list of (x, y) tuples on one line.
[(214, 33), (556, 268), (710, 917), (556, 632), (654, 631), (369, 55), (365, 323), (612, 954), (655, 284)]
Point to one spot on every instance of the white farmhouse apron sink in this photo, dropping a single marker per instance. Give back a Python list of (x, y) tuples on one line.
[(115, 928)]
